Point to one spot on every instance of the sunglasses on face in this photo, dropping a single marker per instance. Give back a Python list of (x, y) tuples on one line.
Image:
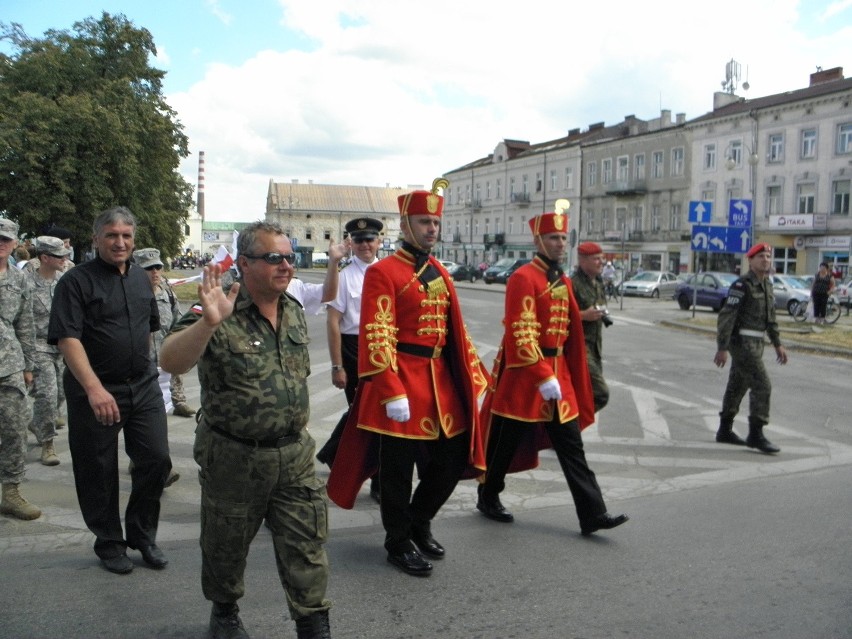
[(362, 240), (274, 258), (154, 268)]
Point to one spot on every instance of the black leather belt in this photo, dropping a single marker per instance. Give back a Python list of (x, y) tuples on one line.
[(432, 352), (551, 352), (258, 443)]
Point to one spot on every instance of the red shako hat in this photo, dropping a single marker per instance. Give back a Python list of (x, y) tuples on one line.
[(424, 202)]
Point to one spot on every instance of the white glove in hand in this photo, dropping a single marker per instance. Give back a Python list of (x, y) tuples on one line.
[(550, 390), (397, 410)]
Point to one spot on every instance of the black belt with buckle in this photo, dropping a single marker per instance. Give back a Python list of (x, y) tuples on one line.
[(280, 442), (432, 352), (551, 352)]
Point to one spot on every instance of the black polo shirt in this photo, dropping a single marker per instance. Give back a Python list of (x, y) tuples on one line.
[(113, 316)]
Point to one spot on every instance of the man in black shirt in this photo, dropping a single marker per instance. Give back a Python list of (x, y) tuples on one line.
[(102, 318)]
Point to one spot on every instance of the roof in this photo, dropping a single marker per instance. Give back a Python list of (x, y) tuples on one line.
[(331, 197)]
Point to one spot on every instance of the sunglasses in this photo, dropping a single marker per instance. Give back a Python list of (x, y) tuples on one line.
[(274, 258), (58, 257), (156, 267), (362, 240)]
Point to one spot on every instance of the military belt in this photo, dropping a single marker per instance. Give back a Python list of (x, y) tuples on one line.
[(551, 352), (280, 442), (432, 352), (747, 332)]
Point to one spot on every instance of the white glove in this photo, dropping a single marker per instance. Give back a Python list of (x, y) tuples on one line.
[(550, 390), (397, 410)]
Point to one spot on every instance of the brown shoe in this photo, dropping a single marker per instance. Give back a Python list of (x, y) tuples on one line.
[(48, 454), (183, 410)]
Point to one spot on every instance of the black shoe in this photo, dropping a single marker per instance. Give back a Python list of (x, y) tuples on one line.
[(411, 562), (729, 437), (601, 522), (153, 556), (172, 478), (225, 622), (375, 493), (762, 444), (492, 508), (120, 565), (427, 545)]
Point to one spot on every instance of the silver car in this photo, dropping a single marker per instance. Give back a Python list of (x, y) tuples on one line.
[(789, 292), (651, 284)]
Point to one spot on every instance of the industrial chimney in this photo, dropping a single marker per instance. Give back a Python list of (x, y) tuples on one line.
[(200, 201)]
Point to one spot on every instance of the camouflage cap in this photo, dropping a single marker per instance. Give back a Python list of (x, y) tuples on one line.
[(147, 257), (8, 229), (45, 244)]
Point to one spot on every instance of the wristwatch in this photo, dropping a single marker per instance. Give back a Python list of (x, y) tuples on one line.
[(336, 367)]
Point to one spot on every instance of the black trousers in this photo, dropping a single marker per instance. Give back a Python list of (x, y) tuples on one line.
[(94, 456), (349, 354), (441, 463), (503, 441)]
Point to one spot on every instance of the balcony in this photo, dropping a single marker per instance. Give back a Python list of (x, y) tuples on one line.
[(457, 238), (521, 199), (627, 188), (474, 204), (491, 239)]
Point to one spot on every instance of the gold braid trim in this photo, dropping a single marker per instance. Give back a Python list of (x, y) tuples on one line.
[(526, 331), (381, 337)]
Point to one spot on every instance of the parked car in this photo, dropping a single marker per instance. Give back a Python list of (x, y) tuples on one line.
[(789, 292), (449, 265), (501, 271), (843, 292), (464, 273), (650, 284), (711, 290)]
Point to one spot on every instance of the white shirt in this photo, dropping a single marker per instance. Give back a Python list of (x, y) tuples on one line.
[(308, 295), (348, 300)]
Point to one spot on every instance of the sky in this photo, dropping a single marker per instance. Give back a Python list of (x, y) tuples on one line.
[(398, 92)]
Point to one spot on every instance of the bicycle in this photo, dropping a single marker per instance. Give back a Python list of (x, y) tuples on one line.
[(832, 311), (610, 290)]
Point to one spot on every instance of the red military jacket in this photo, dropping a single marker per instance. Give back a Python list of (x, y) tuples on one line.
[(542, 340), (412, 343)]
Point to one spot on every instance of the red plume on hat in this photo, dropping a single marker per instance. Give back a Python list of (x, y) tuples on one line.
[(424, 202)]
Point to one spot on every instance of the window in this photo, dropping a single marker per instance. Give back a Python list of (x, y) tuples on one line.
[(623, 171), (488, 190), (735, 153), (476, 227), (309, 233), (467, 193), (487, 226), (539, 185), (844, 139), (553, 184), (655, 217), (784, 260), (569, 178), (674, 223), (773, 200), (478, 191), (604, 220), (710, 156), (497, 188), (677, 161), (639, 166), (638, 213), (458, 195), (657, 162), (840, 197), (621, 219), (606, 171), (806, 197), (809, 144), (526, 182), (590, 222), (326, 235), (776, 148), (511, 225), (591, 173), (511, 186)]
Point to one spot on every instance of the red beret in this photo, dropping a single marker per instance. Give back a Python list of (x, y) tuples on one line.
[(423, 202), (758, 248), (589, 248), (549, 223)]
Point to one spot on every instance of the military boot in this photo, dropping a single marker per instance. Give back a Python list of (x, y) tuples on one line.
[(756, 438), (225, 622), (314, 626), (183, 410), (15, 505), (48, 454), (726, 434)]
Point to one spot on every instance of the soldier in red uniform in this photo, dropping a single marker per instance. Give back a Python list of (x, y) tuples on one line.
[(420, 378), (542, 360)]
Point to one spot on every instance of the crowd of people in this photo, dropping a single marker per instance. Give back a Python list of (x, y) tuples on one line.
[(109, 338)]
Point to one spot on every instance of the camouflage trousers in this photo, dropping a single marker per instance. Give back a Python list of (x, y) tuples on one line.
[(747, 374), (177, 390), (600, 390), (14, 417), (241, 486), (47, 376)]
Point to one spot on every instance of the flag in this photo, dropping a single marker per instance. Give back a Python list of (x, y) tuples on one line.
[(223, 259)]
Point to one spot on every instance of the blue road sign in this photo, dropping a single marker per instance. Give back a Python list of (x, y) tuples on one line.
[(294, 242), (739, 213), (720, 239), (700, 212)]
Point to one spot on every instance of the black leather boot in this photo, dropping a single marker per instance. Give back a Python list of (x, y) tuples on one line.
[(726, 434), (756, 438), (314, 626)]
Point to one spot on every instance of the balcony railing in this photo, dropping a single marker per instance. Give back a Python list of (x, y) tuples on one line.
[(520, 198), (627, 187)]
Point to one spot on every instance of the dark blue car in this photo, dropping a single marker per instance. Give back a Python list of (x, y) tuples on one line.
[(712, 290)]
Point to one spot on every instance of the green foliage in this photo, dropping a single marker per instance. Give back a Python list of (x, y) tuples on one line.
[(84, 127)]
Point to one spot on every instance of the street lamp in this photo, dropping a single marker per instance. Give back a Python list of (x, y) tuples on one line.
[(734, 155)]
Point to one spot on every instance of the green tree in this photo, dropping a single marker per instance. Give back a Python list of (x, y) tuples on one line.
[(84, 127)]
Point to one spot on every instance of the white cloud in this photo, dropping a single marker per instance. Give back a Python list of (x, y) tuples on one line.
[(393, 95), (217, 10)]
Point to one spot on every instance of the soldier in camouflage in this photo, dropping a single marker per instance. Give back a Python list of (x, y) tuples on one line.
[(589, 292), (748, 315), (252, 446), (51, 254), (17, 335)]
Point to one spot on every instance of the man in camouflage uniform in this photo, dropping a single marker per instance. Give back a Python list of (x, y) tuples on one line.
[(48, 368), (254, 451), (748, 314), (17, 335), (591, 298)]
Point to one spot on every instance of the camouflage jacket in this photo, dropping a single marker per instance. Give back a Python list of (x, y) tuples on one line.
[(751, 306), (589, 292), (170, 311), (42, 294), (17, 331), (254, 377)]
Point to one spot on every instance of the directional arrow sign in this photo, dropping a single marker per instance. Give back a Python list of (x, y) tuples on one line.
[(739, 213), (711, 238), (700, 212), (738, 240)]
